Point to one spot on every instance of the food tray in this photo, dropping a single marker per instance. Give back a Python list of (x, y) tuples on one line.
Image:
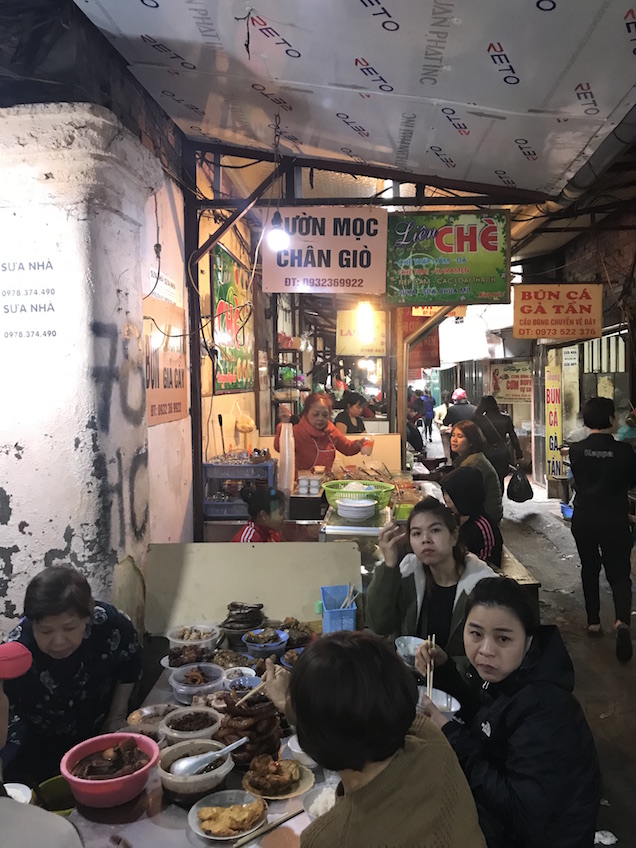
[(380, 492), (334, 618)]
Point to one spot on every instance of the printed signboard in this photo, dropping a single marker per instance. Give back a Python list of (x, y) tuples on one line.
[(445, 257), (563, 311), (331, 249), (354, 340), (233, 325), (165, 358), (553, 426), (511, 382)]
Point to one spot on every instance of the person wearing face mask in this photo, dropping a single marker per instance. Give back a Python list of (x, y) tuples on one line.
[(426, 592), (525, 746), (86, 661), (316, 439)]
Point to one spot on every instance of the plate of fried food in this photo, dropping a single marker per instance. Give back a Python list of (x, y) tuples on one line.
[(277, 779), (228, 814)]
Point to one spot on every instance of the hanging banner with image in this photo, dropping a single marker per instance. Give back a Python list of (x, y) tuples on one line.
[(553, 428), (558, 311), (165, 358), (511, 382), (352, 339), (448, 257), (331, 249), (233, 325)]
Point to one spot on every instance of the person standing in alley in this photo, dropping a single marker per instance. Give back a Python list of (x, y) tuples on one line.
[(604, 470), (461, 410), (429, 414)]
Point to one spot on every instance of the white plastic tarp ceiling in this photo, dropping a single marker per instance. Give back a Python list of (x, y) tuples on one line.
[(491, 92)]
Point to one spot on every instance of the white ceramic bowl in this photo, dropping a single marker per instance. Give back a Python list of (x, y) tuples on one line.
[(173, 735), (444, 702), (329, 790), (194, 786), (298, 754), (407, 648)]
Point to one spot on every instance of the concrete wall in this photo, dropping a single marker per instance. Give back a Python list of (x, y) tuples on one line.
[(74, 463), (169, 445)]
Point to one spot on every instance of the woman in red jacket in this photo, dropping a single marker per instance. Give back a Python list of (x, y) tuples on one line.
[(317, 439)]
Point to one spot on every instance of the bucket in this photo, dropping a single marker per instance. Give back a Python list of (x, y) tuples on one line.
[(55, 794)]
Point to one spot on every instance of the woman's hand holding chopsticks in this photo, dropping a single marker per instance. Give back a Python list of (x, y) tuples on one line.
[(428, 653)]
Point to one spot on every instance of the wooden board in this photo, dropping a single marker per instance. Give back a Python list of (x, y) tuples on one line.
[(189, 583)]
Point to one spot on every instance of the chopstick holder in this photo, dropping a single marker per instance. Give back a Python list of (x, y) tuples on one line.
[(246, 840)]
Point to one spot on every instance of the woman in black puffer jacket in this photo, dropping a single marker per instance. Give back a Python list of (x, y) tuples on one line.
[(526, 748)]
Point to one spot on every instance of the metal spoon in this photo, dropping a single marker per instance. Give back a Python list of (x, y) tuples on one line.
[(187, 766)]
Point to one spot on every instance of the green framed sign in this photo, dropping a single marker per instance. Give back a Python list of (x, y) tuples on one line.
[(448, 257), (233, 324)]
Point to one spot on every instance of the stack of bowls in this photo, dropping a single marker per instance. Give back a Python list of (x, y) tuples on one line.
[(356, 509), (236, 672)]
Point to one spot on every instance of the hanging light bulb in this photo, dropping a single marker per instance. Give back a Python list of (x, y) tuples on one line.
[(366, 323), (277, 238)]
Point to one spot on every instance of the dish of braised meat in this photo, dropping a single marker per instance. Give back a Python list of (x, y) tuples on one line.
[(299, 633), (118, 760), (277, 778), (267, 636), (231, 821)]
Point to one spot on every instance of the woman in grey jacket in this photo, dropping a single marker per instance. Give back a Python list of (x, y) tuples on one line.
[(426, 593), (468, 444)]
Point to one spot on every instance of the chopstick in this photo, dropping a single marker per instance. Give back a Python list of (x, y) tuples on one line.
[(250, 693), (429, 669), (277, 671), (266, 828), (350, 597)]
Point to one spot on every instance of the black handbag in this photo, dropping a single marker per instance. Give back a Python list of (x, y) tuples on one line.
[(519, 489)]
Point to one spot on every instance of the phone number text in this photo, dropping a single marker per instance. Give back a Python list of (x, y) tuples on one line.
[(325, 282), (30, 334)]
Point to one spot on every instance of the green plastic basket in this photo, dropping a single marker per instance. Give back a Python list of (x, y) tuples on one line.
[(380, 492)]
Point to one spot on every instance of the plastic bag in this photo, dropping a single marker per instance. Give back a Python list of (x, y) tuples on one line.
[(519, 488)]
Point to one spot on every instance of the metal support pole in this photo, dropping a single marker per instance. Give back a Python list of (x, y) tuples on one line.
[(191, 237)]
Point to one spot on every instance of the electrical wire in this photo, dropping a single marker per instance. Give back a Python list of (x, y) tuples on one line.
[(157, 251)]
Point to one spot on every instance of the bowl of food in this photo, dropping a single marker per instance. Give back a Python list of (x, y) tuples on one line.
[(235, 673), (190, 723), (444, 702), (290, 658), (227, 815), (98, 770), (244, 684), (319, 800), (148, 717), (298, 754), (407, 648), (192, 787), (197, 679), (191, 643), (266, 641)]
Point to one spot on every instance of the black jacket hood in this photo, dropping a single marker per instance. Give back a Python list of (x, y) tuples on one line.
[(465, 487), (547, 661)]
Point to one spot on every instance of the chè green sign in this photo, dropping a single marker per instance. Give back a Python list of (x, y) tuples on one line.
[(446, 257)]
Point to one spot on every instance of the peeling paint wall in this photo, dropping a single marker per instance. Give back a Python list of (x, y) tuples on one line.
[(74, 460)]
